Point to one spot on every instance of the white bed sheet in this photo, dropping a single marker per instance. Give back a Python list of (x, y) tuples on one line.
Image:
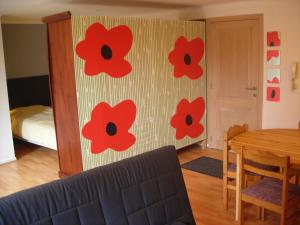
[(34, 124)]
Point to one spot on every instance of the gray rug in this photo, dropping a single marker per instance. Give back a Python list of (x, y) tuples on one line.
[(206, 165)]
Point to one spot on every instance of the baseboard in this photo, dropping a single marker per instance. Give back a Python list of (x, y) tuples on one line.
[(2, 161), (203, 144)]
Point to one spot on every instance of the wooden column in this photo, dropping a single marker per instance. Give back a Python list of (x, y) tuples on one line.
[(63, 92)]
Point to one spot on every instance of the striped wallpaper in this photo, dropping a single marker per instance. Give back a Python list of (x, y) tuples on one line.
[(150, 84)]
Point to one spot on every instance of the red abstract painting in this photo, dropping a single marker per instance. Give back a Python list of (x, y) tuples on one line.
[(273, 39), (273, 94), (273, 57), (273, 76)]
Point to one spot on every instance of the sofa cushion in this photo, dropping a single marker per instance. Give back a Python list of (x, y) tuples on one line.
[(178, 223), (144, 190)]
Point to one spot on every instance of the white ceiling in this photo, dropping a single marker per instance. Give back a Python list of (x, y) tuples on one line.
[(35, 9)]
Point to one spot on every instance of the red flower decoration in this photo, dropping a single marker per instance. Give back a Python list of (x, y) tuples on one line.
[(108, 127), (273, 39), (104, 50), (186, 121), (186, 56)]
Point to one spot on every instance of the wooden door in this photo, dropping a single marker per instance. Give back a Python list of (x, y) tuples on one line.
[(234, 71)]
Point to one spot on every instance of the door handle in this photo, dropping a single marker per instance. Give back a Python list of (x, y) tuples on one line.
[(251, 88)]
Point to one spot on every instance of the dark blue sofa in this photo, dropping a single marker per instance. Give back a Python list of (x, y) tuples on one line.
[(144, 190)]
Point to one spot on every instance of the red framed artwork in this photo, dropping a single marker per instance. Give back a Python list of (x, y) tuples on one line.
[(273, 94), (273, 39)]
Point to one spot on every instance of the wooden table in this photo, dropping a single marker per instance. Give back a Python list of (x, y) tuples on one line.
[(282, 142)]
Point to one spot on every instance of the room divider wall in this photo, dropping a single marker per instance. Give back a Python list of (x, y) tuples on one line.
[(121, 86)]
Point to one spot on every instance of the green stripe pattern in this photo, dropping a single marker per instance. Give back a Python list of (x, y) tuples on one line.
[(151, 84)]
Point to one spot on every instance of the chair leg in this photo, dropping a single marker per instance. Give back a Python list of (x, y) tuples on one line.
[(262, 215), (282, 218), (225, 198), (245, 183), (225, 193), (241, 218), (258, 212)]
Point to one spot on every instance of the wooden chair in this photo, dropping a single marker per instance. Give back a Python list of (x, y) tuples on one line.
[(229, 169), (273, 192)]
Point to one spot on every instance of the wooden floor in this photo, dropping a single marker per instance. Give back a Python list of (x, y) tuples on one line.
[(37, 165), (205, 194)]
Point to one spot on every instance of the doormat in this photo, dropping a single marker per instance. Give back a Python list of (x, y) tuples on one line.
[(206, 165)]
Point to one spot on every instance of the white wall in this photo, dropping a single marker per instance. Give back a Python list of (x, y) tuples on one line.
[(279, 15), (25, 50), (7, 152)]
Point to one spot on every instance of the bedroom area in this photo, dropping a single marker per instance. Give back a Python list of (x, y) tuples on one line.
[(26, 63)]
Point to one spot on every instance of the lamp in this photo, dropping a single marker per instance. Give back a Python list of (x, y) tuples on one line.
[(296, 75)]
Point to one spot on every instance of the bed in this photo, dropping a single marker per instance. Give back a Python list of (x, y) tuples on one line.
[(34, 124), (31, 112)]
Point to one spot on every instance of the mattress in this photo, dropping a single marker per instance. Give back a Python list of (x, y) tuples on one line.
[(34, 124)]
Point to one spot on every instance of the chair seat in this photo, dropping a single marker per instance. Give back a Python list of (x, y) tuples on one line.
[(270, 190), (232, 167)]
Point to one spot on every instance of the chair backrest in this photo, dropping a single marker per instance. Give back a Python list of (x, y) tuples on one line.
[(228, 135), (232, 132), (253, 158)]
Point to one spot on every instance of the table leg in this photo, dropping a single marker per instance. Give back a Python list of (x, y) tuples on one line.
[(238, 189)]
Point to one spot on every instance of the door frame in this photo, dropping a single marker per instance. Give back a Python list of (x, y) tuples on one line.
[(209, 22)]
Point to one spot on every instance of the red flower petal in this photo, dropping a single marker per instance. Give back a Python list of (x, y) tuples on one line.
[(98, 146), (126, 109), (186, 57), (124, 142), (197, 108), (194, 72), (181, 133), (181, 44), (101, 111), (176, 56), (94, 31), (107, 129), (195, 131), (121, 39), (121, 70), (104, 50), (196, 49), (186, 121)]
